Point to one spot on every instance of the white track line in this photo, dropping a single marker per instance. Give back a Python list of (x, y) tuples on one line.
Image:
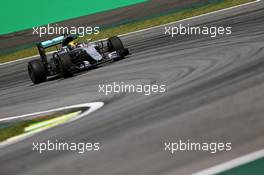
[(143, 30), (92, 107), (233, 163)]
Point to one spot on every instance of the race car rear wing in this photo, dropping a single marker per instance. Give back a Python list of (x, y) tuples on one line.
[(53, 42), (56, 41)]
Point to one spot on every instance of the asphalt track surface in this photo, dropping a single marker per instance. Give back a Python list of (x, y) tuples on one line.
[(214, 94)]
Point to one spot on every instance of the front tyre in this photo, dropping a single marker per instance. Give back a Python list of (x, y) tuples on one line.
[(115, 44), (65, 65), (37, 71)]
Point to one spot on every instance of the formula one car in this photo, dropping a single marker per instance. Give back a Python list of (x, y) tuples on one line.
[(71, 58)]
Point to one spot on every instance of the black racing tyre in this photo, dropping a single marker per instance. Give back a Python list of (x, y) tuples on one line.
[(65, 65), (37, 71), (115, 44)]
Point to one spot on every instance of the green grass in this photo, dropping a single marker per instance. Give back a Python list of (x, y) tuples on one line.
[(12, 129), (134, 26), (9, 130), (26, 14), (252, 168)]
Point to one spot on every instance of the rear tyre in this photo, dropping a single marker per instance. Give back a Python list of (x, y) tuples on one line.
[(65, 65), (37, 71)]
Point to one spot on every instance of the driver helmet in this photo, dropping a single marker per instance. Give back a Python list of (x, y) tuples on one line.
[(72, 45)]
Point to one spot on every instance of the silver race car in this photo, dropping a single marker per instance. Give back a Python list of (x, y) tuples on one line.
[(71, 57)]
